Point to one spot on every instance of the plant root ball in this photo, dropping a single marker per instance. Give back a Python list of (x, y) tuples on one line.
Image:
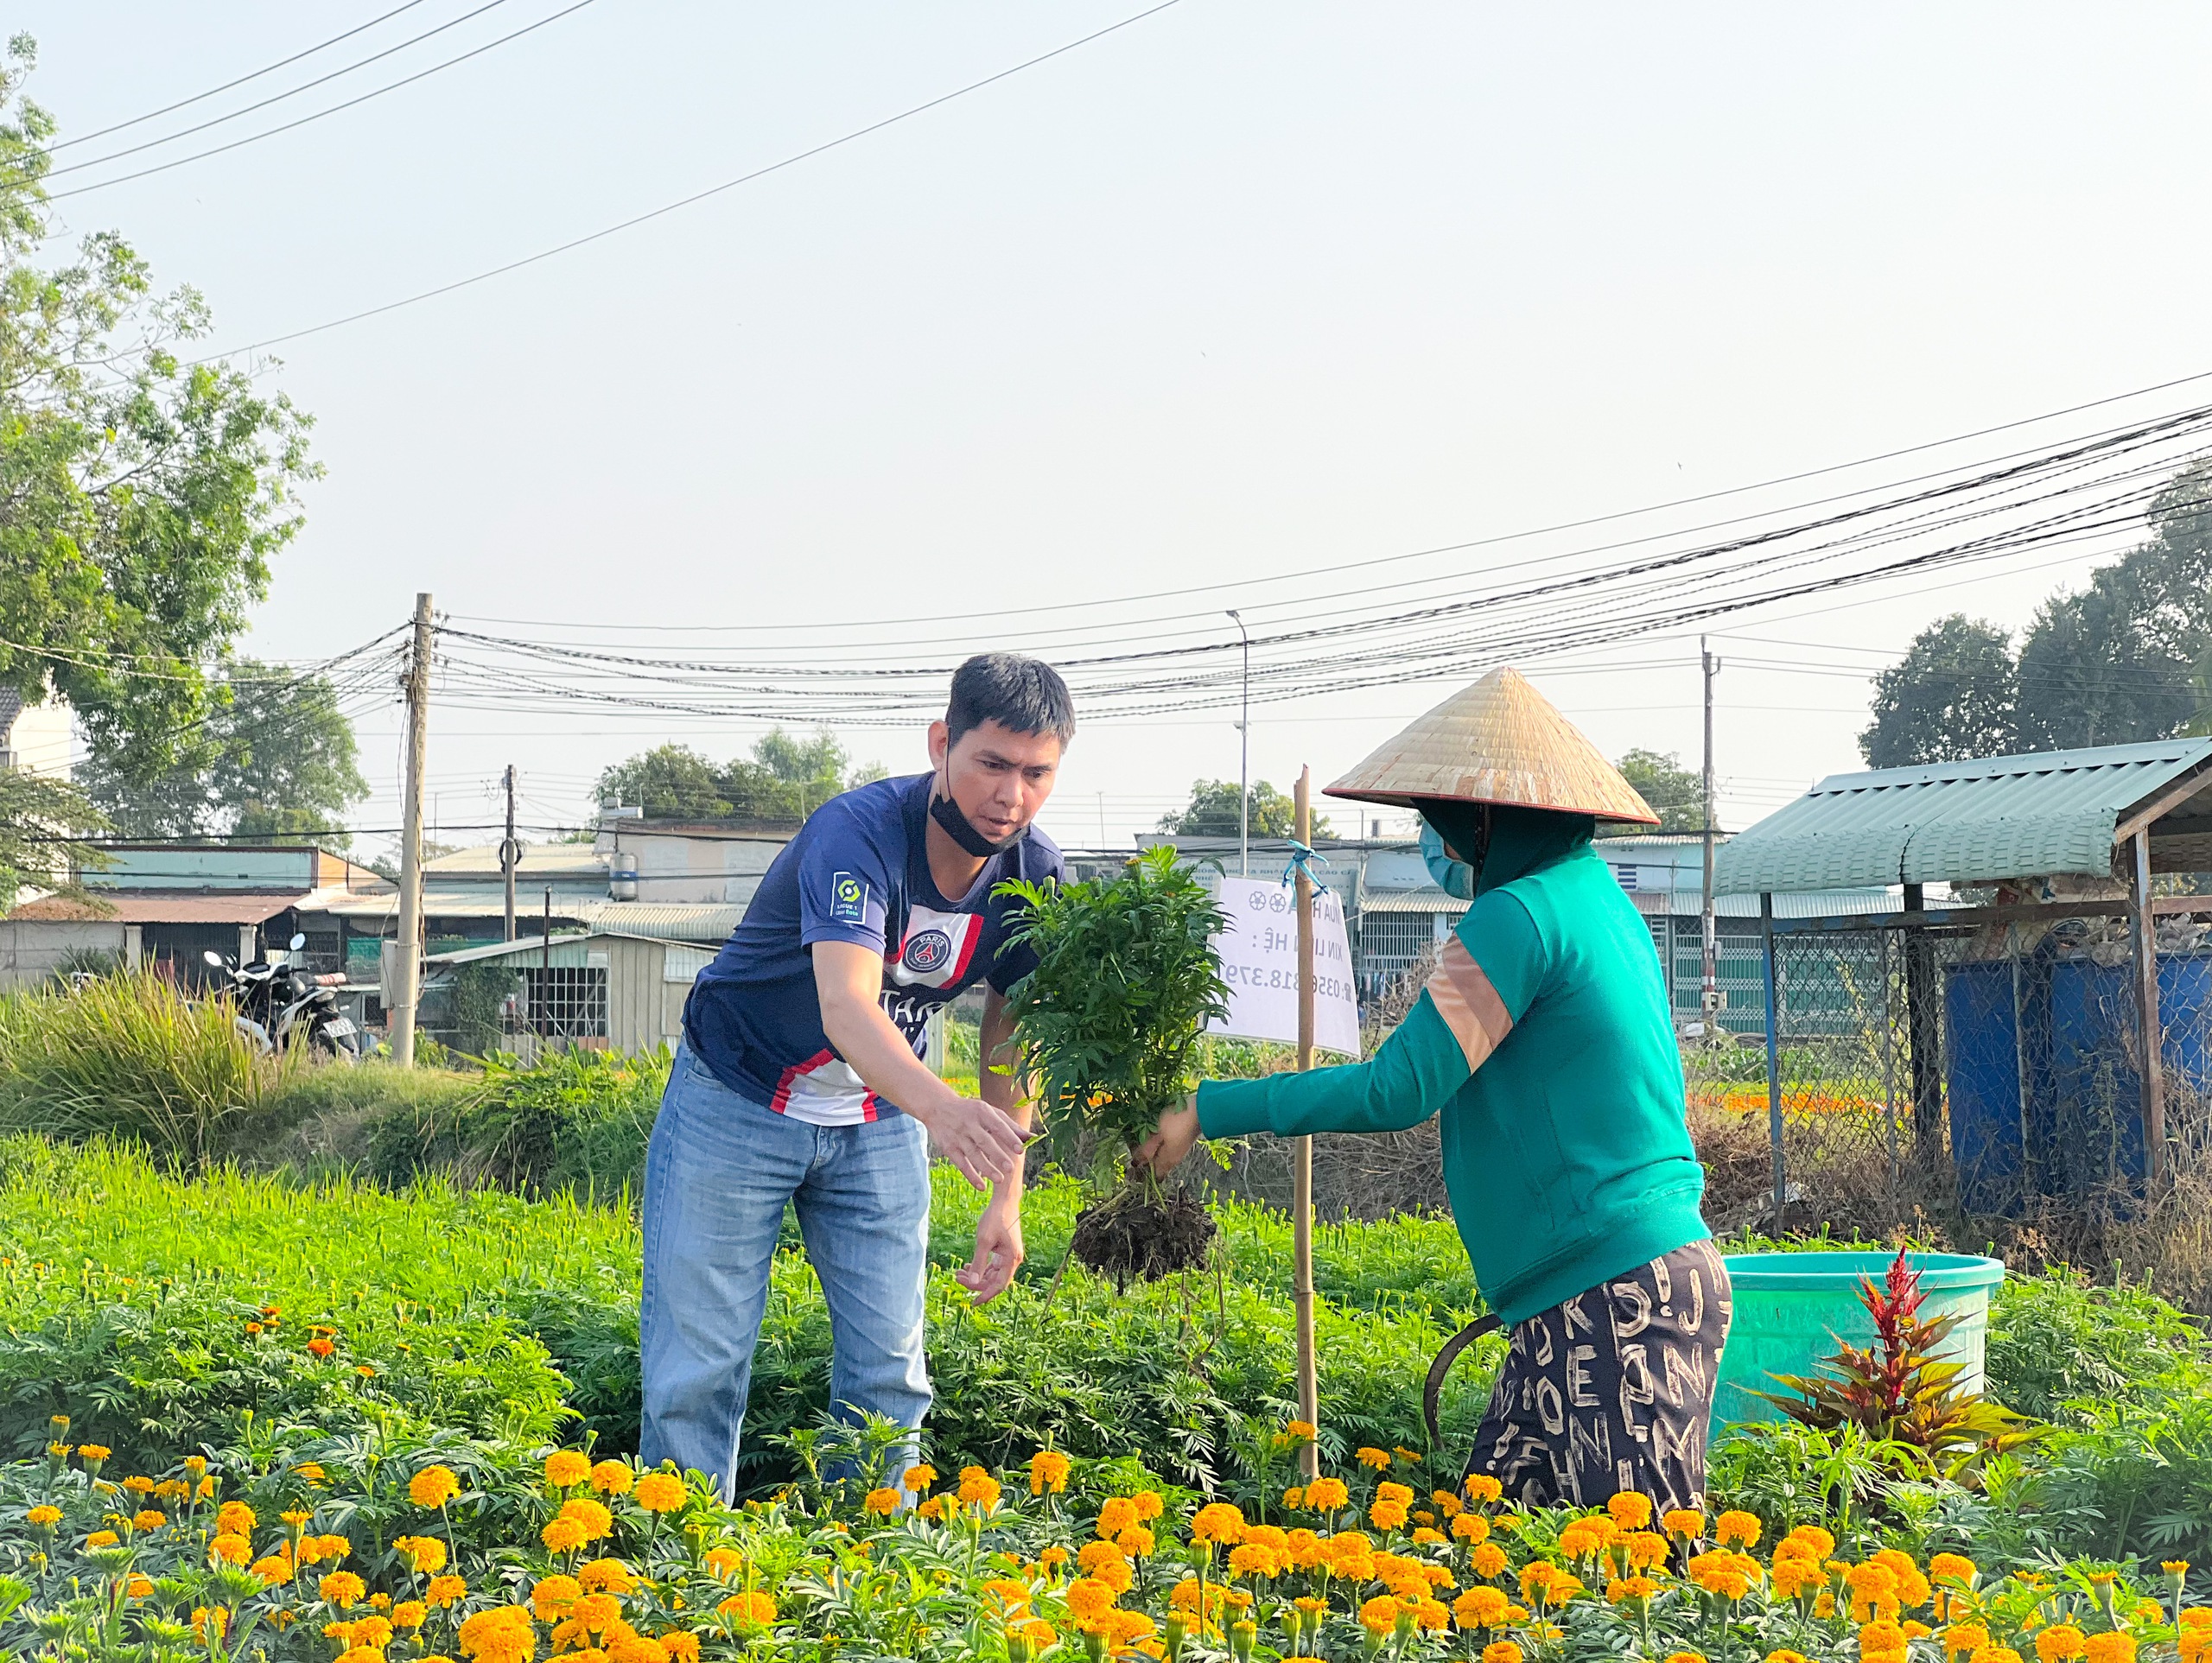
[(1132, 1234)]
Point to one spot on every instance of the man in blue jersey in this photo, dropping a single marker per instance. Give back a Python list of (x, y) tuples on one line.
[(800, 1077)]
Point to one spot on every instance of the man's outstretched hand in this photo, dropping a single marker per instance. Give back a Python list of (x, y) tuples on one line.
[(998, 1252), (1163, 1151)]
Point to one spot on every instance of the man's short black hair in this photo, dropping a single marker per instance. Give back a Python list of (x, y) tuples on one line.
[(1024, 695)]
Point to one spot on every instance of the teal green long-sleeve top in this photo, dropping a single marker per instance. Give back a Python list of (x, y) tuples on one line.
[(1545, 1042)]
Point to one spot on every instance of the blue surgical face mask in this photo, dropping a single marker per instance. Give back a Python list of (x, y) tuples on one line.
[(1455, 878)]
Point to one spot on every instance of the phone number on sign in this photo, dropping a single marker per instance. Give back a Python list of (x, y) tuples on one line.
[(1255, 977)]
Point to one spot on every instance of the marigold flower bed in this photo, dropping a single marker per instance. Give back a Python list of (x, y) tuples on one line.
[(353, 1559)]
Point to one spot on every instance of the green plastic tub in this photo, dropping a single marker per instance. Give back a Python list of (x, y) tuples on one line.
[(1791, 1308)]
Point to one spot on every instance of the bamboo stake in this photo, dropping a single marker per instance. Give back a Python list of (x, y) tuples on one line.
[(1309, 1388)]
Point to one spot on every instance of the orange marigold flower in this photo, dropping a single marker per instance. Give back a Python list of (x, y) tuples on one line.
[(680, 1645), (1736, 1529), (1378, 1459), (1218, 1522), (43, 1517), (751, 1608), (409, 1614), (920, 1478), (1683, 1522), (433, 1486), (101, 1539), (979, 1488), (341, 1588), (320, 1347), (2112, 1646), (565, 1468), (1087, 1597), (662, 1492), (1488, 1560), (1482, 1487), (1379, 1615), (606, 1576), (595, 1519), (1387, 1514), (444, 1591), (562, 1535), (1048, 1471), (882, 1502), (1481, 1608), (148, 1519), (1631, 1509), (228, 1549), (553, 1597), (1327, 1496), (1501, 1651), (724, 1562), (1471, 1527)]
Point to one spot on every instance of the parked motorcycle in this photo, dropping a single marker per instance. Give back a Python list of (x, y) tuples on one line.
[(279, 1002)]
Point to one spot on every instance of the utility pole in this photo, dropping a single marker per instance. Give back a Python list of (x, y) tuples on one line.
[(1708, 977), (510, 854), (1244, 758), (409, 966)]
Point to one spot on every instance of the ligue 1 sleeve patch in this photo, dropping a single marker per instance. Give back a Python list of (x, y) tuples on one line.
[(848, 898)]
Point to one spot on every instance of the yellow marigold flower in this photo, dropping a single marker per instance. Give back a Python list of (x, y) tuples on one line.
[(612, 1477), (148, 1519), (1217, 1521), (751, 1608), (1684, 1522), (933, 1508), (1048, 1472), (1386, 1515), (228, 1549), (606, 1576), (920, 1478), (235, 1517), (2112, 1646), (1116, 1514), (1482, 1487), (1954, 1568), (1992, 1654), (426, 1553), (979, 1488), (552, 1597), (1488, 1560), (43, 1517), (680, 1645), (882, 1502), (1481, 1608), (724, 1562), (1327, 1496), (1471, 1527), (502, 1635), (661, 1492), (595, 1519), (409, 1614), (444, 1591), (1087, 1598), (341, 1588), (1964, 1639), (1504, 1651), (1294, 1499), (1379, 1615), (562, 1535), (101, 1539), (1785, 1656), (433, 1486), (360, 1655), (1736, 1529), (566, 1468), (1425, 1535), (1136, 1541), (1378, 1459), (372, 1632)]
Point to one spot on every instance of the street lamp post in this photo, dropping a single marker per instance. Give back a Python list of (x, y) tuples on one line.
[(1244, 758)]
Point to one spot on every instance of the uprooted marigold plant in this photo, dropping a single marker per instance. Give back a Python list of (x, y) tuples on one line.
[(1107, 1026), (1900, 1390), (355, 1557)]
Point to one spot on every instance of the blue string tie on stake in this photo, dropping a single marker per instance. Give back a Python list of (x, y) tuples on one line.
[(1301, 860)]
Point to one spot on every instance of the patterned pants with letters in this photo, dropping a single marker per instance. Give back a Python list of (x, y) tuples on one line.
[(1612, 1390)]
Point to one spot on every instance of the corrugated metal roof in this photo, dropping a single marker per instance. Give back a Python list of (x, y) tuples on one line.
[(1973, 822), (692, 921), (1426, 898), (116, 907)]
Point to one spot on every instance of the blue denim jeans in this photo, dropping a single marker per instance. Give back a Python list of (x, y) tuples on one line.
[(718, 1171)]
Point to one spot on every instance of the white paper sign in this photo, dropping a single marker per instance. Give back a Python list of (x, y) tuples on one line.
[(1258, 961)]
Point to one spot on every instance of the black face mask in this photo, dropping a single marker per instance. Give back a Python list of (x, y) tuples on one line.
[(946, 812)]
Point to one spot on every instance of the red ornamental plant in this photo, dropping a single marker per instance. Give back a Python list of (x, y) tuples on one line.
[(1898, 1391)]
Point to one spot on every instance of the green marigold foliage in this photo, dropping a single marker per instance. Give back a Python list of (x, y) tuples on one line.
[(1126, 978)]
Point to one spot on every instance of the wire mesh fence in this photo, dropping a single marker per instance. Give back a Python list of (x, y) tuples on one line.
[(1988, 1073)]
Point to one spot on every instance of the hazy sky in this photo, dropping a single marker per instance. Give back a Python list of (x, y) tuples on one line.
[(1244, 289)]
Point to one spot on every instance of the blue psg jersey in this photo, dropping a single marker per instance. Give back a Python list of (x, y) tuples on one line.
[(857, 872)]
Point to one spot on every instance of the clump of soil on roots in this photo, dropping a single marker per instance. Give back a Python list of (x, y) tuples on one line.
[(1134, 1232)]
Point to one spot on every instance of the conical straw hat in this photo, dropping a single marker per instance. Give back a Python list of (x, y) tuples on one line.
[(1497, 741)]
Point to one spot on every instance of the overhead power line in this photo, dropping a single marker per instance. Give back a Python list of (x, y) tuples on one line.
[(696, 197), (272, 132), (200, 97)]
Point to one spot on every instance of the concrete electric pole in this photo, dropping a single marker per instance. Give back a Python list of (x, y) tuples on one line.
[(408, 970)]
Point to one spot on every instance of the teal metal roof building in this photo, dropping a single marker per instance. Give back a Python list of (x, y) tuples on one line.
[(1982, 821)]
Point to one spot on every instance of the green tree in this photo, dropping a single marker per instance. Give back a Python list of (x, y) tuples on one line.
[(784, 779), (2122, 660), (1676, 794), (1212, 812), (145, 496), (43, 824), (1953, 694), (671, 782), (275, 758)]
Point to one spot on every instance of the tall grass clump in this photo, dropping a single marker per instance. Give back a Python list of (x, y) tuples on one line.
[(129, 1056)]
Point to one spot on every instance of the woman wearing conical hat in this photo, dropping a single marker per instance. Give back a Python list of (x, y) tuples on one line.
[(1545, 1043)]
